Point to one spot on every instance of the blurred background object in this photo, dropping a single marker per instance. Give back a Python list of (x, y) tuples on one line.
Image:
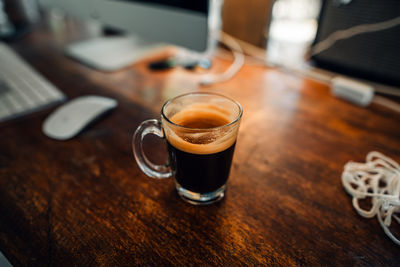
[(292, 30), (17, 17), (247, 20), (361, 39), (6, 27)]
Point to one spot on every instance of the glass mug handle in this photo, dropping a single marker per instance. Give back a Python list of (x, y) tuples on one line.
[(150, 169)]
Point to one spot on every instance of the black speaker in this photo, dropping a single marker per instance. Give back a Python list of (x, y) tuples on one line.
[(373, 56)]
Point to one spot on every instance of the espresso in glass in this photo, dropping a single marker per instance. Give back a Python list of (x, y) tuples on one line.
[(200, 131), (200, 170)]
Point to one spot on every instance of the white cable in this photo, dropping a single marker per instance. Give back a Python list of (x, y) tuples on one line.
[(259, 53), (386, 103), (359, 29), (350, 32), (235, 45), (388, 91), (378, 179), (237, 64)]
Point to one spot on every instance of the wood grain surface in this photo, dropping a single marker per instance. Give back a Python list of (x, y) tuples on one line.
[(85, 202)]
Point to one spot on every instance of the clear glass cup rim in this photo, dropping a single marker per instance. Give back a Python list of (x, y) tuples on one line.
[(238, 117)]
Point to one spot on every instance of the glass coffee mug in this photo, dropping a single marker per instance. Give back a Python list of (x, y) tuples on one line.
[(200, 130)]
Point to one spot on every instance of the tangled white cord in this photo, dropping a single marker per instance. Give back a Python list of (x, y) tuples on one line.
[(378, 179)]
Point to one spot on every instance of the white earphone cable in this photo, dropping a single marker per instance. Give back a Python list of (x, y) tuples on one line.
[(237, 64)]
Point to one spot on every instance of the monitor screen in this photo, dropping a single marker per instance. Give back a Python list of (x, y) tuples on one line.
[(372, 56), (179, 22), (196, 6)]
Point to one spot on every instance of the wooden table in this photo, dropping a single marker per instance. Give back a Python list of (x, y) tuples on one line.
[(85, 201)]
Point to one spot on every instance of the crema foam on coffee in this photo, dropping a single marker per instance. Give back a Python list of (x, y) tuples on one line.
[(188, 135)]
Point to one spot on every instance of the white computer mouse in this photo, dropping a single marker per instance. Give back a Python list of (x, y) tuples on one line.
[(72, 117)]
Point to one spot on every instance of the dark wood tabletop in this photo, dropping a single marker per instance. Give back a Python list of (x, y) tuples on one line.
[(85, 201)]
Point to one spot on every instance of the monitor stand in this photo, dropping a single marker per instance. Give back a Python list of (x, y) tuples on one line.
[(112, 53)]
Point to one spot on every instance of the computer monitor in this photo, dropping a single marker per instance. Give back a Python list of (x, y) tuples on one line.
[(178, 22), (372, 56)]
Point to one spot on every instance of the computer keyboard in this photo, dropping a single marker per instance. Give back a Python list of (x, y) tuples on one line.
[(22, 89)]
